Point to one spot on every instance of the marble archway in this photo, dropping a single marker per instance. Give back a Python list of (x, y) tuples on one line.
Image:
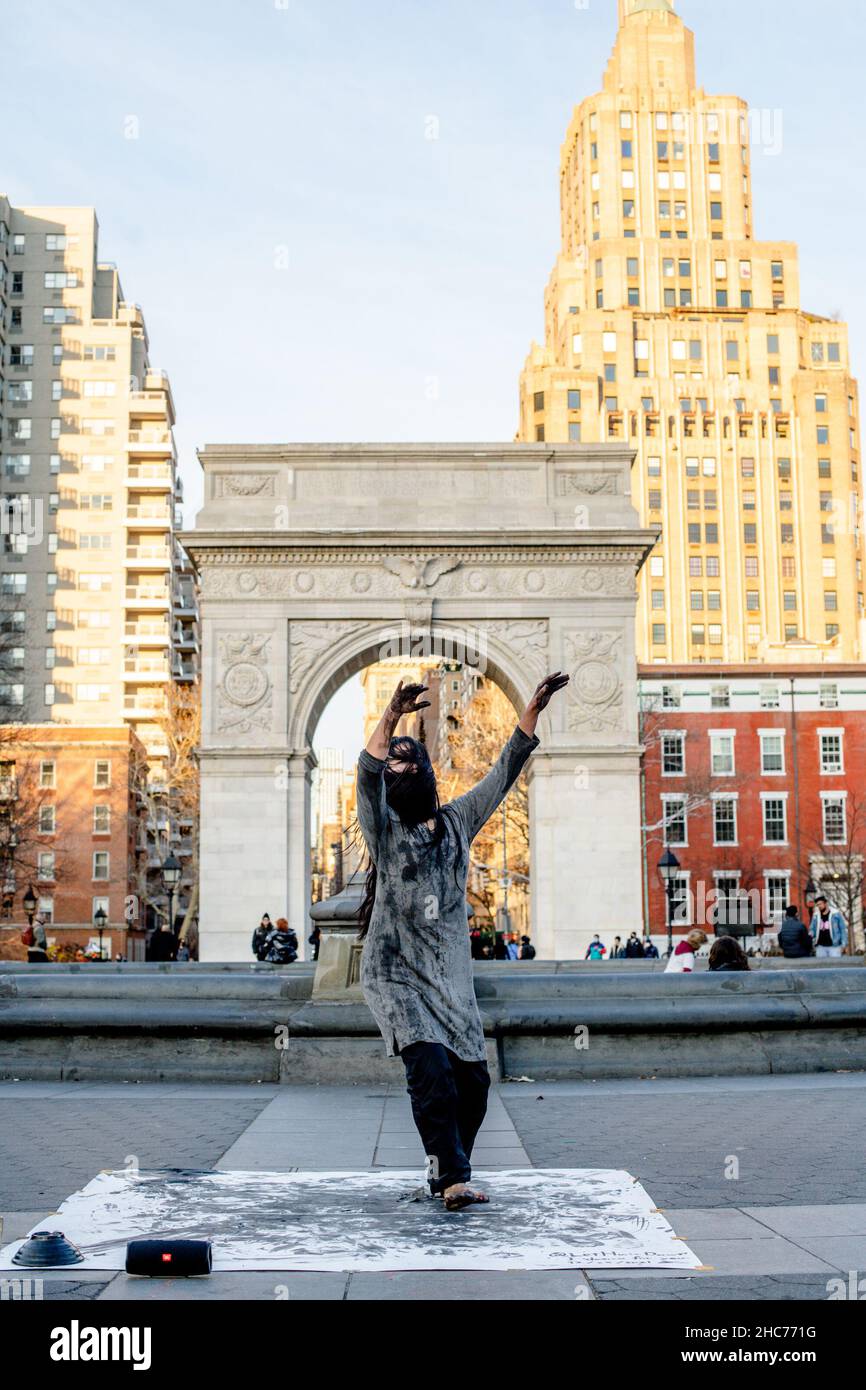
[(316, 560)]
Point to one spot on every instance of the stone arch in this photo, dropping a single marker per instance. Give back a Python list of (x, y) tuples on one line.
[(310, 555), (362, 645)]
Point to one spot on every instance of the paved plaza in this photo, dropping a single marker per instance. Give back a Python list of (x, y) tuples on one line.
[(763, 1177)]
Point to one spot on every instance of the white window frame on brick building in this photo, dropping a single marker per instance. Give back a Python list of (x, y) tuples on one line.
[(837, 800), (770, 737), (772, 913), (673, 734), (101, 861), (831, 766), (726, 799), (675, 812), (782, 798), (716, 736)]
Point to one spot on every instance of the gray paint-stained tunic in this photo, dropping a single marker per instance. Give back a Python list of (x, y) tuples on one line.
[(416, 968)]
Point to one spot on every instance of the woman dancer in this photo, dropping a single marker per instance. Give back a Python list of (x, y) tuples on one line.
[(416, 969)]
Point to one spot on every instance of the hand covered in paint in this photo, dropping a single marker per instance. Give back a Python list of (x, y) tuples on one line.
[(541, 699), (406, 700)]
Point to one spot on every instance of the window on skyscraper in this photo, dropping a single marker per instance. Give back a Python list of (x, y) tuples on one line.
[(716, 212)]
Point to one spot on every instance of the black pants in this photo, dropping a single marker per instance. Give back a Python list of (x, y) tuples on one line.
[(449, 1102)]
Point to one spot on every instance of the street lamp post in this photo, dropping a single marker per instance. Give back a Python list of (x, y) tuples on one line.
[(171, 875), (100, 917), (29, 905), (668, 869)]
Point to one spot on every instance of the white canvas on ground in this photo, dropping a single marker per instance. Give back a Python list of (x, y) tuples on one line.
[(554, 1218)]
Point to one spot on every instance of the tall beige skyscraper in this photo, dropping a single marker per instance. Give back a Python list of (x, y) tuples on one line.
[(668, 325), (98, 601)]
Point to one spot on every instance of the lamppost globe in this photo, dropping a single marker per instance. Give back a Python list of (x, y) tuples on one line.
[(171, 872), (29, 903)]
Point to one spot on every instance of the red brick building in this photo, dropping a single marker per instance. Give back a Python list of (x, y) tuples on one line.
[(73, 827), (755, 778)]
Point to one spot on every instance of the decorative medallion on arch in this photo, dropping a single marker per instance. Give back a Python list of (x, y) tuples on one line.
[(595, 663), (245, 689)]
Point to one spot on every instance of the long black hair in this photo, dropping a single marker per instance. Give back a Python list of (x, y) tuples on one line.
[(414, 796)]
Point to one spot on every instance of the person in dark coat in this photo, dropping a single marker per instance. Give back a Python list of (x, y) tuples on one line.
[(794, 938), (634, 948), (281, 945), (260, 936), (527, 950)]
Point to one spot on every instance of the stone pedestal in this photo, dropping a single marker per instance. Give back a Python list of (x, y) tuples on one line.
[(338, 969)]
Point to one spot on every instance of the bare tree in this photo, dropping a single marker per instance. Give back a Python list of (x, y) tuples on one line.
[(475, 744), (694, 791)]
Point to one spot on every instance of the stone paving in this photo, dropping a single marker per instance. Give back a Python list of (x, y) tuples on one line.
[(792, 1221)]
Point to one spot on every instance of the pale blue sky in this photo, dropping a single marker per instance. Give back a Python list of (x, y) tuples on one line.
[(294, 133)]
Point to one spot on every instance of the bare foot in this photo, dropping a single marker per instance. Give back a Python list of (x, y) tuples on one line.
[(460, 1195)]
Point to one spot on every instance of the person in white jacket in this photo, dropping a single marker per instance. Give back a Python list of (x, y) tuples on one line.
[(682, 962)]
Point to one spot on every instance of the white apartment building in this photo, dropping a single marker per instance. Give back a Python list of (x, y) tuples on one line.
[(97, 598)]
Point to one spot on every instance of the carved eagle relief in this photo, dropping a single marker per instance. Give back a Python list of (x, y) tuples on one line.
[(418, 573)]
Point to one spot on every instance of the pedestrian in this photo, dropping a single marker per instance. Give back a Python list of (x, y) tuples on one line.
[(829, 930), (512, 946), (682, 962), (527, 950), (161, 945), (260, 936), (650, 950), (633, 948), (500, 949), (34, 938), (183, 951), (314, 940), (616, 951), (281, 946), (726, 953), (794, 938), (596, 950), (416, 968)]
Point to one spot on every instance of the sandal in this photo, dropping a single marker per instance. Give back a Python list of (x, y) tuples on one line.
[(459, 1200)]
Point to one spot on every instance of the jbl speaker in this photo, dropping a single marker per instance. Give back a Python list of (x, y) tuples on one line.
[(164, 1257)]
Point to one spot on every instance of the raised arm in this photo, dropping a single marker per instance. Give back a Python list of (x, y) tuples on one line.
[(372, 805), (476, 807)]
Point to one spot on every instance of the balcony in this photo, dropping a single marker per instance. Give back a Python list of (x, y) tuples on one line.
[(185, 670), (148, 556), (146, 515), (150, 442), (144, 702), (150, 475), (145, 596), (141, 669), (150, 403), (185, 638), (184, 604), (147, 633)]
